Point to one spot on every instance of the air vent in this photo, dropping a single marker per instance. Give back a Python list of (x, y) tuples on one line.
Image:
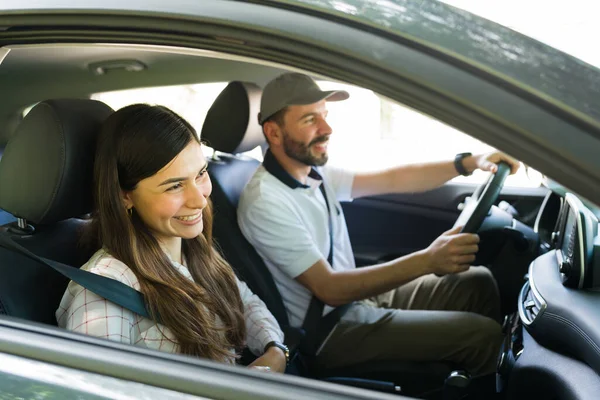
[(530, 305)]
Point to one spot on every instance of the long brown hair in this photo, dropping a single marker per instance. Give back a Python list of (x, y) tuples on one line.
[(135, 143)]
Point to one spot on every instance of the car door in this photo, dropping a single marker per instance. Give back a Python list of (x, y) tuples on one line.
[(39, 361), (388, 226), (439, 82)]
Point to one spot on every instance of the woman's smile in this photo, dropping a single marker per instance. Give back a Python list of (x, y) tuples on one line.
[(189, 219)]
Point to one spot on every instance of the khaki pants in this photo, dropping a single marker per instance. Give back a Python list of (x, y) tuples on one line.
[(452, 318)]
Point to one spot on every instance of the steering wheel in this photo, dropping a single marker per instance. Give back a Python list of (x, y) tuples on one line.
[(477, 207)]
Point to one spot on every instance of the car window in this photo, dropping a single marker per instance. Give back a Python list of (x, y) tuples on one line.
[(371, 132), (24, 378), (192, 102)]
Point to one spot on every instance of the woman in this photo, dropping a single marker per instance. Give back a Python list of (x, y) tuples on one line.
[(152, 226)]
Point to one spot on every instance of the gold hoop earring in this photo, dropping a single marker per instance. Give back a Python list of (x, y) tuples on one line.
[(130, 211)]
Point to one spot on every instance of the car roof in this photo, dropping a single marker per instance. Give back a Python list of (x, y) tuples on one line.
[(490, 47), (32, 73), (460, 36)]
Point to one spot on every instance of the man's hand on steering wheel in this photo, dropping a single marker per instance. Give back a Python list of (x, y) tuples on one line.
[(476, 209), (489, 162), (452, 252)]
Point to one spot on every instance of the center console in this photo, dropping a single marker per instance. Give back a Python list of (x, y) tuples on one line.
[(549, 348), (510, 350)]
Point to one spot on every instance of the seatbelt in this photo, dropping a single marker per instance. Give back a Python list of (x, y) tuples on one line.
[(110, 289), (317, 326)]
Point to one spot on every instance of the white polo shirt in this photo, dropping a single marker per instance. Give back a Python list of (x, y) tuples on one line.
[(287, 224)]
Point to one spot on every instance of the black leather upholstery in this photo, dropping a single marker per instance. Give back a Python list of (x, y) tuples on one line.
[(46, 169), (30, 290), (46, 177), (229, 176), (570, 323), (231, 124)]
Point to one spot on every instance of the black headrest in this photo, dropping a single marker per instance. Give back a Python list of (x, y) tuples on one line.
[(231, 124), (46, 171)]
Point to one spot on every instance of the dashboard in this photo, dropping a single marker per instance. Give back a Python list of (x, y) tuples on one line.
[(569, 228), (577, 229), (558, 307)]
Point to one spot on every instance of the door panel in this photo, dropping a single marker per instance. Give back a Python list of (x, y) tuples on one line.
[(388, 226), (37, 359)]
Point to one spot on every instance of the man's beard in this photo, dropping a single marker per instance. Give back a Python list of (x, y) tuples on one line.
[(301, 152)]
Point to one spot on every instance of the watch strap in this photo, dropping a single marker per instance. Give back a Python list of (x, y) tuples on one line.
[(282, 346), (458, 163)]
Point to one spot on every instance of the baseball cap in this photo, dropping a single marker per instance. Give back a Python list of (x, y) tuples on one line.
[(292, 89)]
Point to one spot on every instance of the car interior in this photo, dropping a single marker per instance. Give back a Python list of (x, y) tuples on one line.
[(538, 242)]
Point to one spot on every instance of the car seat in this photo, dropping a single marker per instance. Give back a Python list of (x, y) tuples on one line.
[(45, 182)]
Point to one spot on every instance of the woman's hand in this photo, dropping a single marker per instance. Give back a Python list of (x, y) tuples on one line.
[(273, 360)]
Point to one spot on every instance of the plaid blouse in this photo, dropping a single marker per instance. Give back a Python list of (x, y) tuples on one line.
[(83, 311)]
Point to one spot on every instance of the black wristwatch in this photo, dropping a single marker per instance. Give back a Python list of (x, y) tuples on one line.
[(282, 346), (458, 163)]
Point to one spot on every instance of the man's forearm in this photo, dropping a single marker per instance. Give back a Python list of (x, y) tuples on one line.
[(421, 177), (407, 178), (361, 283)]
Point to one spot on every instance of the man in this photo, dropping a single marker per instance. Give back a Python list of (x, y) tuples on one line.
[(426, 306)]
